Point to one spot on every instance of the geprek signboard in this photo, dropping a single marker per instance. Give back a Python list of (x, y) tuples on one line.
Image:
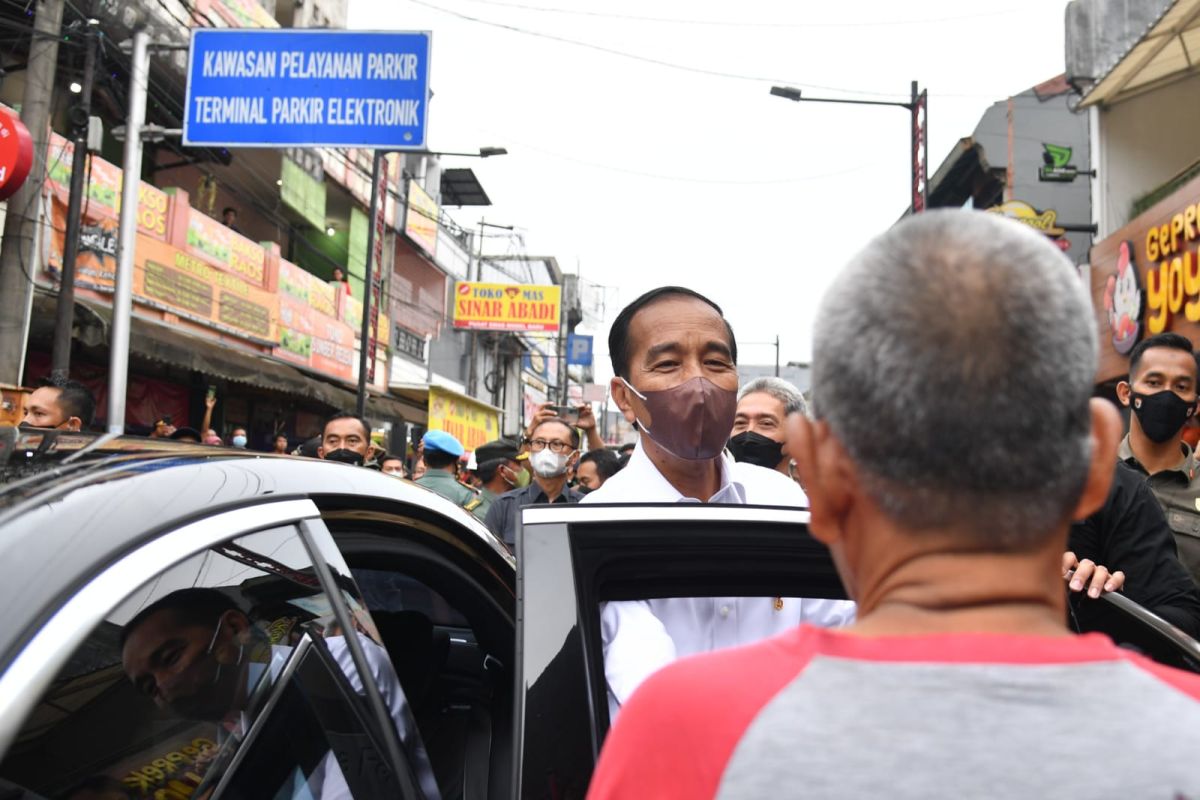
[(506, 307), (311, 88)]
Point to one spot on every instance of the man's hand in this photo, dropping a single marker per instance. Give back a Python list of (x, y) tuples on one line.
[(1087, 573), (210, 401), (587, 420), (544, 412)]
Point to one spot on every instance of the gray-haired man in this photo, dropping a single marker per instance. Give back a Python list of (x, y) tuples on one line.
[(971, 340), (760, 424)]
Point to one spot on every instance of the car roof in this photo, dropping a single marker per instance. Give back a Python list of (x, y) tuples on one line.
[(64, 521)]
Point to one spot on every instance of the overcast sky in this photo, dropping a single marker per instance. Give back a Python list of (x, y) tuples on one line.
[(644, 174)]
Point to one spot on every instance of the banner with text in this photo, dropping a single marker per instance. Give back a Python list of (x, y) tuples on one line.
[(104, 188), (310, 334), (167, 278), (470, 422), (421, 219), (505, 307), (226, 249), (274, 88)]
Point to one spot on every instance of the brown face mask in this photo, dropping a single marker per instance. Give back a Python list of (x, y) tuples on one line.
[(690, 421)]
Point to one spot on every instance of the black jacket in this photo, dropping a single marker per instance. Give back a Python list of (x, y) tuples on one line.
[(1130, 534)]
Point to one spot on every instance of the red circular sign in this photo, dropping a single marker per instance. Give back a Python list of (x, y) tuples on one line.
[(16, 153)]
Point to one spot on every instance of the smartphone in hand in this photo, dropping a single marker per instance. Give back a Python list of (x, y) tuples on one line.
[(568, 413)]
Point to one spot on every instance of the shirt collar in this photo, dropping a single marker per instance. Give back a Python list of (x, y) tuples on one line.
[(658, 489), (535, 494), (1185, 467)]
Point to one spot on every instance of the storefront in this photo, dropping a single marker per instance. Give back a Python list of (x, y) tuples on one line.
[(1145, 279), (210, 308)]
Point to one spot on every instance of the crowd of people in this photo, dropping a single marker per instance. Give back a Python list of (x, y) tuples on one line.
[(971, 489)]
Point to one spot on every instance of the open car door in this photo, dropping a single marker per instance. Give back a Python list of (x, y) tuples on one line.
[(573, 558)]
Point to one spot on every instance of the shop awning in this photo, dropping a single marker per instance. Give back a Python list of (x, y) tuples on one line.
[(460, 187), (166, 345), (1168, 51)]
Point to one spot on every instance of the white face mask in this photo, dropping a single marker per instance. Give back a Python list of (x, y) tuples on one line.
[(547, 464)]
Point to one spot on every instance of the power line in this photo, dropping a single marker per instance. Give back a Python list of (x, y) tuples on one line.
[(688, 179), (646, 59), (743, 23)]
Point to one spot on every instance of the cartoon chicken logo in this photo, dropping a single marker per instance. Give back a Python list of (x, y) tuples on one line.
[(1123, 301)]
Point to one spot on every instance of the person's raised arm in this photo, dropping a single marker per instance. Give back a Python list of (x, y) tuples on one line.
[(587, 424), (210, 402)]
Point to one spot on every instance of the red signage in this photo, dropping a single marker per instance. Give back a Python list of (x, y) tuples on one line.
[(16, 153)]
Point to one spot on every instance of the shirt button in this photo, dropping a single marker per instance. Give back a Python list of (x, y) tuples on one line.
[(724, 611)]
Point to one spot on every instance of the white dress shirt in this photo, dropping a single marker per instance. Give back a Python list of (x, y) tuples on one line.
[(642, 636)]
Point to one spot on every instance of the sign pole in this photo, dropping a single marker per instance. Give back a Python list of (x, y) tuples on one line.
[(118, 366), (370, 309)]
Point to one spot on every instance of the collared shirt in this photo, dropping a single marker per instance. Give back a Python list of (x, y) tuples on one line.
[(640, 637), (445, 484), (1178, 492), (502, 516)]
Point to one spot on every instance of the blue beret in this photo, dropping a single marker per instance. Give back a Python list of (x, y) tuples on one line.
[(440, 440)]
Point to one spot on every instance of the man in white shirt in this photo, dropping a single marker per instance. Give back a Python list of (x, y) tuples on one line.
[(675, 361)]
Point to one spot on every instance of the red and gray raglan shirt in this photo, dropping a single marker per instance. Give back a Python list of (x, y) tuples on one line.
[(825, 714)]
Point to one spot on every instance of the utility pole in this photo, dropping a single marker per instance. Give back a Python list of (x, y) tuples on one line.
[(370, 301), (473, 366), (777, 355), (118, 366), (60, 361), (17, 266)]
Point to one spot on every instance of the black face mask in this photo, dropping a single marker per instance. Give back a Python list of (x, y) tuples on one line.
[(1161, 414), (25, 425), (583, 489), (756, 449), (345, 456)]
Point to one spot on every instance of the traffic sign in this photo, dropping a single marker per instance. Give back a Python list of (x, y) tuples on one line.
[(311, 88), (579, 350)]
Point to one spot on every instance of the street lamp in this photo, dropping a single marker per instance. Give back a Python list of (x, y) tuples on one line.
[(484, 152), (917, 107)]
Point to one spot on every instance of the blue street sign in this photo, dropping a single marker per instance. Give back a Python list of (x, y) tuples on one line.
[(307, 88), (579, 350)]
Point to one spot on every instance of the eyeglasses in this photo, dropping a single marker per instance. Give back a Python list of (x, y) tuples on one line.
[(555, 446)]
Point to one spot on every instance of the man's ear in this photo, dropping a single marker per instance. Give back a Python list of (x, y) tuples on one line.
[(620, 395), (1124, 390), (74, 424), (320, 451), (826, 473), (1106, 437)]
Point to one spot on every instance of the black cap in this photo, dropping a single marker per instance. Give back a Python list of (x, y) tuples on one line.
[(497, 449), (184, 433)]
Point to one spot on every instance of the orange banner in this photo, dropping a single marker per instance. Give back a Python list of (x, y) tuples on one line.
[(104, 189), (308, 335), (226, 249), (169, 279)]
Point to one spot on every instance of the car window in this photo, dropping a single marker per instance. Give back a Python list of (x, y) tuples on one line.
[(199, 669)]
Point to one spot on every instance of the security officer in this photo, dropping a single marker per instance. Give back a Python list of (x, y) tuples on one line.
[(1162, 394), (499, 470), (442, 452)]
